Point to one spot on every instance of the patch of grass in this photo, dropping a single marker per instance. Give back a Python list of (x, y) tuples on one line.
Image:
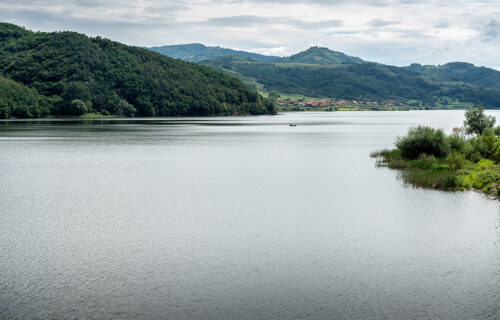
[(434, 178), (96, 115), (484, 175)]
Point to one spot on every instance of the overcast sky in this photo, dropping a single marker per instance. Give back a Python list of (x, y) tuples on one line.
[(396, 32)]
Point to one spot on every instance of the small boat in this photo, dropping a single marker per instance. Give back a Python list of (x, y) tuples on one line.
[(293, 124)]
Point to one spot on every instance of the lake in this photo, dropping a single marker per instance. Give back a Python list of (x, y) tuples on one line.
[(236, 218)]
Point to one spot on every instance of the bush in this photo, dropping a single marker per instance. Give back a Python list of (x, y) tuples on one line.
[(497, 131), (423, 140), (457, 142), (456, 160), (482, 146)]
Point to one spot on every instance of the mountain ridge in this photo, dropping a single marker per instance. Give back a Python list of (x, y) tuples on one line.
[(369, 80), (196, 52)]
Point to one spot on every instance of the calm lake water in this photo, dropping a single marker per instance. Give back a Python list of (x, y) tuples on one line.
[(236, 218)]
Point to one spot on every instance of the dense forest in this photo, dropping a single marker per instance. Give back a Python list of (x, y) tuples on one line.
[(70, 74), (320, 72), (461, 71), (358, 81), (20, 101)]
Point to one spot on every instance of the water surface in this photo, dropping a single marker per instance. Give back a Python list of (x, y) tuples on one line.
[(236, 218)]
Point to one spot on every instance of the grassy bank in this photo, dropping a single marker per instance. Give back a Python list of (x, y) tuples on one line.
[(444, 173), (468, 159)]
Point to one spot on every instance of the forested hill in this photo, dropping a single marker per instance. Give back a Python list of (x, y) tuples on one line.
[(461, 71), (324, 73), (196, 52), (67, 73), (431, 86), (322, 56)]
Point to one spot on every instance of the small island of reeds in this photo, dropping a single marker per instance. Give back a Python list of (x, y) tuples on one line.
[(467, 159)]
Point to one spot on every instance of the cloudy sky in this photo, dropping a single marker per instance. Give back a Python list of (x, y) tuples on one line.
[(397, 32)]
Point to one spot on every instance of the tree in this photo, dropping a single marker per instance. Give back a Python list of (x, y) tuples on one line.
[(78, 107), (423, 140), (476, 121), (273, 96), (123, 108)]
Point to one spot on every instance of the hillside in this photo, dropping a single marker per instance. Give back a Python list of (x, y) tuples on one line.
[(346, 81), (196, 52), (323, 73), (461, 71), (370, 81), (75, 74), (322, 56)]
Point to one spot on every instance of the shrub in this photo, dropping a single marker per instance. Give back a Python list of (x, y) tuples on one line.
[(497, 131), (423, 140), (424, 162), (456, 160), (482, 146), (457, 142)]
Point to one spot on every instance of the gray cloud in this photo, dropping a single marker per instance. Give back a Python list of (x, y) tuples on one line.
[(442, 25), (491, 31), (389, 31), (380, 23), (252, 20)]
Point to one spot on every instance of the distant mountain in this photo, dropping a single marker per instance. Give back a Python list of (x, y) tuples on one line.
[(321, 72), (322, 56), (196, 52), (357, 81), (461, 71), (67, 73)]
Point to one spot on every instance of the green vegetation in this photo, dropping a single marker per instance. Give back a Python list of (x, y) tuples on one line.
[(476, 122), (321, 56), (196, 52), (18, 100), (322, 73), (461, 72), (358, 81), (70, 74), (430, 159)]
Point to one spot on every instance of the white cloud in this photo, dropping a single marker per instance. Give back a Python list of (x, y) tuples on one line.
[(395, 32)]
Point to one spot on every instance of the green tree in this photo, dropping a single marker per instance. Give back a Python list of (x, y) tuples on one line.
[(423, 140), (273, 96), (78, 107), (124, 108), (476, 121)]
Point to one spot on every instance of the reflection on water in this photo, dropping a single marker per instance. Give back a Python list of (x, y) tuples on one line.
[(236, 217)]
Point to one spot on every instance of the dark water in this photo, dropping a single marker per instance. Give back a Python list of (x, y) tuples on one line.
[(236, 218)]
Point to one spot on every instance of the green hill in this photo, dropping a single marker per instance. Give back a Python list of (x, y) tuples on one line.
[(461, 71), (196, 52), (320, 72), (357, 81), (322, 56), (74, 74)]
